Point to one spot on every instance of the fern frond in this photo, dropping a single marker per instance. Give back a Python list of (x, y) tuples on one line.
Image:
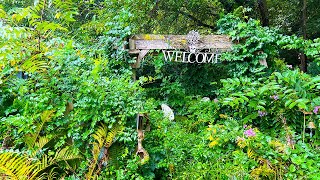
[(104, 139), (16, 166), (100, 135), (34, 64), (47, 115), (44, 162), (112, 134), (40, 144), (52, 174), (61, 155), (117, 152), (250, 153), (65, 154), (31, 139)]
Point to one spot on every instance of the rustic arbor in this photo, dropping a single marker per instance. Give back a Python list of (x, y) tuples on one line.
[(192, 46)]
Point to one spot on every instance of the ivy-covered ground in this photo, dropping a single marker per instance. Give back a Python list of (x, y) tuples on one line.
[(68, 103)]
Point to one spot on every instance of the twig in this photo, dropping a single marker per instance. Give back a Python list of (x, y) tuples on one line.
[(199, 22)]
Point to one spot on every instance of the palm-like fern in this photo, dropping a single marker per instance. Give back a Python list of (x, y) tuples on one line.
[(61, 155), (21, 166), (103, 140), (28, 166), (15, 166), (117, 152), (35, 64), (35, 142), (33, 138)]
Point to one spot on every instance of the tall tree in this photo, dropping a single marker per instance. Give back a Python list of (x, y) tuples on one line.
[(263, 8), (303, 58)]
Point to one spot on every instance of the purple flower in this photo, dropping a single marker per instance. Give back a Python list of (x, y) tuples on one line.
[(262, 113), (250, 133), (316, 109), (245, 126), (275, 97)]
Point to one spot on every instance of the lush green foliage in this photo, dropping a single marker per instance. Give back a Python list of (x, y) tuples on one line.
[(68, 104), (254, 44), (81, 86)]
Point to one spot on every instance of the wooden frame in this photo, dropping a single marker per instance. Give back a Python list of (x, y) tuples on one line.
[(140, 45)]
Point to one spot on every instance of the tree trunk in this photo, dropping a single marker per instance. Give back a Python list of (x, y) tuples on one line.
[(303, 58), (262, 5)]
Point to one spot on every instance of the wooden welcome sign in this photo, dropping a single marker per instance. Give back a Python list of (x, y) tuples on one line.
[(191, 48)]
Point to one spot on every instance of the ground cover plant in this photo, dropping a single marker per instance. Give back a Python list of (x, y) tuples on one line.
[(69, 104)]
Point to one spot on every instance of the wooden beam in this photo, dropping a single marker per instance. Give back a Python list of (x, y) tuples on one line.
[(141, 55), (150, 41)]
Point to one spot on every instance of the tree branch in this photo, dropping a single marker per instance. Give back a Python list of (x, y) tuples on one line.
[(199, 22), (154, 9)]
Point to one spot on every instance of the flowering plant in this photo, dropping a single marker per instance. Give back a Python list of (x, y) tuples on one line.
[(261, 154), (316, 109), (250, 133)]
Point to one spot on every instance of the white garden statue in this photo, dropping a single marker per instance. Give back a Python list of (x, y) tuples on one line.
[(167, 111)]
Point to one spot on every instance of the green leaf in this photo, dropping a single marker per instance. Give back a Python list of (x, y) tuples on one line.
[(292, 168), (293, 104), (288, 102)]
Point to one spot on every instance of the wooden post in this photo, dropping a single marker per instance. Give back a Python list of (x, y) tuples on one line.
[(141, 152)]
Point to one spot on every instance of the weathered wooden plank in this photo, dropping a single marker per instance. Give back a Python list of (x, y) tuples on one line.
[(141, 55), (150, 41)]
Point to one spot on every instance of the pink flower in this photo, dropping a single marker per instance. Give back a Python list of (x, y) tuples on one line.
[(250, 133)]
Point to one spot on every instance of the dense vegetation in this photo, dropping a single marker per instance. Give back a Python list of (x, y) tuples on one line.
[(68, 103)]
